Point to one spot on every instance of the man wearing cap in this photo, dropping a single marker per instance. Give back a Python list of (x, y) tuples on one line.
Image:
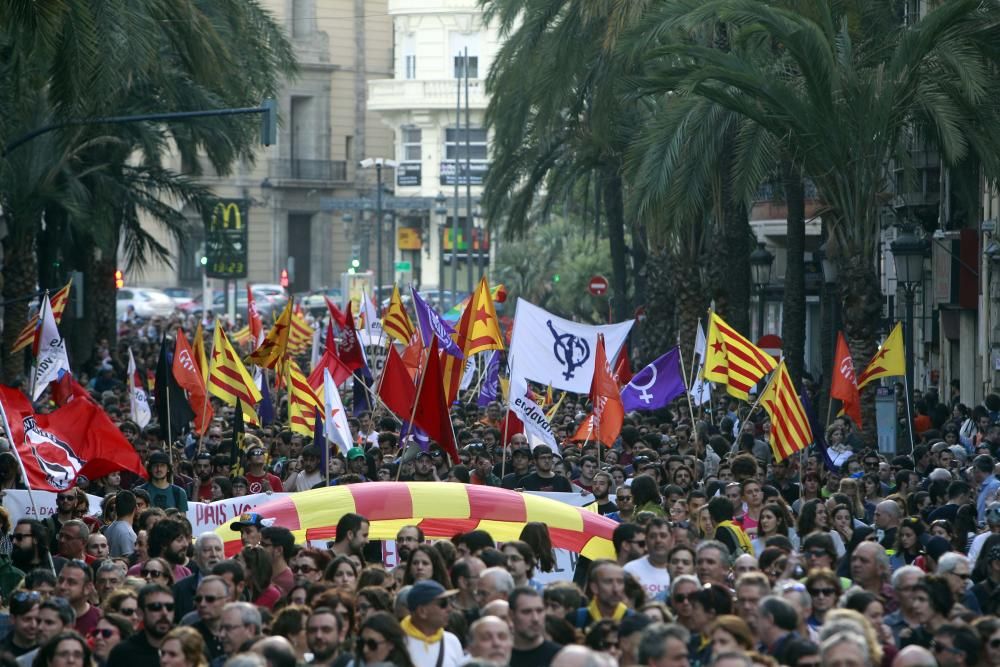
[(258, 478), (544, 479), (427, 642), (248, 526), (520, 461), (357, 464), (423, 468), (309, 475), (482, 471), (201, 488), (162, 492)]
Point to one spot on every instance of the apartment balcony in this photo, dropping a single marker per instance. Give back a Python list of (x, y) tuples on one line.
[(306, 173), (405, 94)]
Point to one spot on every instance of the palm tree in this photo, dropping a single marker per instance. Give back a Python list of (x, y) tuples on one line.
[(854, 81)]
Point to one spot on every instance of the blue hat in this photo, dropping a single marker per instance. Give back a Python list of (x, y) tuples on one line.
[(425, 592), (247, 519)]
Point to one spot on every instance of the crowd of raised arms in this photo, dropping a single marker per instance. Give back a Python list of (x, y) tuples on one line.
[(724, 556)]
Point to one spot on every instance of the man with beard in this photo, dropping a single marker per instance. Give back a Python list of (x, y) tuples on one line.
[(66, 502), (423, 468), (324, 636), (162, 492), (201, 488), (258, 478), (169, 541), (407, 539), (31, 547), (309, 476), (544, 479), (156, 610), (629, 540), (520, 461), (601, 488), (352, 535), (121, 534), (208, 552)]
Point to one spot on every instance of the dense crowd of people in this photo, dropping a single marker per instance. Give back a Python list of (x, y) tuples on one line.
[(724, 556)]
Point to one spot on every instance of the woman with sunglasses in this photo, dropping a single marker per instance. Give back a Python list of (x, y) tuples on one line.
[(988, 629), (603, 637), (110, 630), (124, 602), (158, 571), (381, 641)]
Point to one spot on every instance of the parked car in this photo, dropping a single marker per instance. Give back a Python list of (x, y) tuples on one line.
[(147, 302), (314, 302), (268, 302), (180, 295)]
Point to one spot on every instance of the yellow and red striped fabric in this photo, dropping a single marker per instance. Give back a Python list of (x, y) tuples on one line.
[(441, 509), (790, 430), (300, 336), (731, 359), (58, 303), (303, 403)]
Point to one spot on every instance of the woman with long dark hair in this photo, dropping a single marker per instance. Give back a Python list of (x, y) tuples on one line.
[(381, 641), (774, 520), (647, 496), (67, 649), (815, 517), (908, 544), (426, 563), (536, 535), (258, 580)]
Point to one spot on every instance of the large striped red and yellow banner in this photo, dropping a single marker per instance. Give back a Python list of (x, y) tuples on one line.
[(441, 509)]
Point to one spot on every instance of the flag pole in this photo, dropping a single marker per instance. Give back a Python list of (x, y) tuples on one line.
[(24, 471), (166, 394), (909, 415), (41, 322), (687, 388), (756, 402), (693, 353)]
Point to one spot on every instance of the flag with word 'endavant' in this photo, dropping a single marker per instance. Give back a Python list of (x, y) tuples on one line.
[(656, 385), (396, 321), (228, 378), (303, 403), (889, 361), (790, 429), (275, 345), (843, 383), (58, 304), (138, 400), (731, 359)]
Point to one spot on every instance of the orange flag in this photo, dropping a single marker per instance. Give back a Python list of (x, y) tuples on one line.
[(609, 413), (189, 377), (843, 383)]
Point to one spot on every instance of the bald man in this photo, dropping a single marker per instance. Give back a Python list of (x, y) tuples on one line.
[(914, 656), (491, 640)]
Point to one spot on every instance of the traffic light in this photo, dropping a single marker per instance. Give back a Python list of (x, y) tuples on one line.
[(555, 278), (355, 258), (119, 279), (269, 123)]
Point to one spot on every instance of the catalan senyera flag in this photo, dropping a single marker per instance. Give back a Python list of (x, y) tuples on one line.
[(790, 430), (58, 304), (889, 361), (478, 331), (303, 402), (301, 334), (396, 321), (731, 359), (275, 345), (228, 378), (241, 336), (198, 348)]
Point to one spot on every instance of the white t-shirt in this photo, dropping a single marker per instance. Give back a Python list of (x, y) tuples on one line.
[(426, 655), (304, 481), (654, 580)]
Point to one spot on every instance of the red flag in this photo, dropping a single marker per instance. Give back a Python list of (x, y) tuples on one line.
[(432, 411), (609, 413), (188, 376), (413, 356), (66, 389), (843, 383), (338, 371), (254, 322), (349, 348), (512, 426), (77, 439), (338, 316), (623, 367), (396, 386)]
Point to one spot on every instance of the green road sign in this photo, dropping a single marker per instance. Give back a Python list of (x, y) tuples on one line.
[(404, 266)]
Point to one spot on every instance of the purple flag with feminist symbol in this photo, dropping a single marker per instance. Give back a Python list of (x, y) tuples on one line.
[(656, 385), (432, 325)]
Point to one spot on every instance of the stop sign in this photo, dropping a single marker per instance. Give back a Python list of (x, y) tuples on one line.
[(598, 285)]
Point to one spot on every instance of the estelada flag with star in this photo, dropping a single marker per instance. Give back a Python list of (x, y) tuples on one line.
[(889, 361), (731, 359), (478, 331), (843, 383), (790, 429), (275, 344)]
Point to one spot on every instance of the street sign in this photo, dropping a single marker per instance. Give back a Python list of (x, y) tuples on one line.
[(226, 239), (771, 344), (598, 285), (403, 267)]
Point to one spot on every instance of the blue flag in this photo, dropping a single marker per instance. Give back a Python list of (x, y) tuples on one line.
[(432, 325), (265, 408), (656, 385), (491, 381), (818, 439), (362, 402), (419, 437), (319, 439)]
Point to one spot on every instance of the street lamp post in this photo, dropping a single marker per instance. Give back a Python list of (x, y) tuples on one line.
[(441, 211), (908, 252), (378, 163), (760, 264)]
